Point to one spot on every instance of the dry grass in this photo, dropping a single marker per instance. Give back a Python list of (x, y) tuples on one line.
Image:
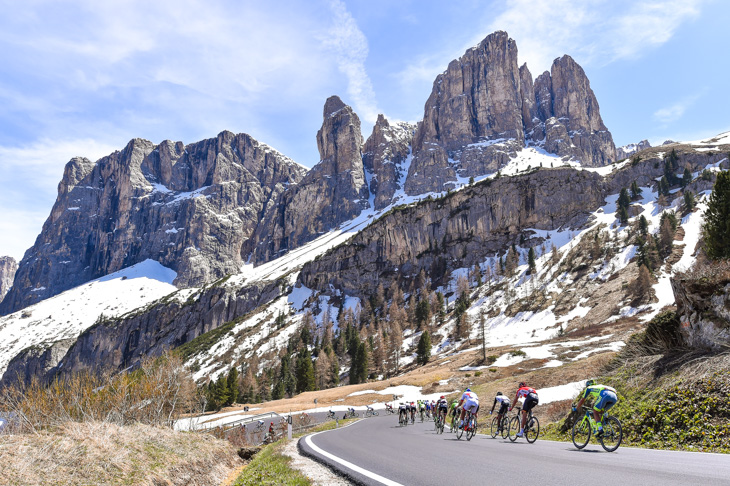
[(97, 453), (154, 394)]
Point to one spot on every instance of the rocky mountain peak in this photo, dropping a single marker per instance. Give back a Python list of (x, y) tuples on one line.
[(630, 149), (385, 154), (484, 109), (332, 192), (8, 266), (333, 105)]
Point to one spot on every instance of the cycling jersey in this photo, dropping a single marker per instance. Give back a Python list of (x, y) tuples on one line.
[(504, 403), (605, 397), (443, 404), (525, 391), (471, 402)]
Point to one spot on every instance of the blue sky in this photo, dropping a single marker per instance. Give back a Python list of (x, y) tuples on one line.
[(84, 77)]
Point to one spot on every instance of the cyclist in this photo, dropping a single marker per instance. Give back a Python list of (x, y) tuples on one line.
[(504, 404), (531, 399), (271, 430), (402, 411), (604, 397), (469, 402), (442, 407), (412, 409)]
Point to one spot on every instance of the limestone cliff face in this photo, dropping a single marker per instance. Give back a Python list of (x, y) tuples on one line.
[(189, 207), (456, 231), (334, 191), (385, 156), (484, 108), (8, 267)]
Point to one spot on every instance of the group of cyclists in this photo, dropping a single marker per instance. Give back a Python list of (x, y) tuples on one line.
[(604, 398)]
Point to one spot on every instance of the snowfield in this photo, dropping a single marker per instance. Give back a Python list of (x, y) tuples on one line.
[(68, 314)]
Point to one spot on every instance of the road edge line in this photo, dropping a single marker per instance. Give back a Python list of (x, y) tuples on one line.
[(353, 467)]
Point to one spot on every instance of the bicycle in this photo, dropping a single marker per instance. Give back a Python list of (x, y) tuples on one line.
[(259, 427), (371, 413), (612, 431), (331, 415), (389, 409), (403, 418), (304, 419), (421, 412), (351, 414), (532, 427), (454, 422), (500, 426), (470, 426), (439, 423)]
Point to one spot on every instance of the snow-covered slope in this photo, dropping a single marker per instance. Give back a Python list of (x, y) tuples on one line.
[(68, 314)]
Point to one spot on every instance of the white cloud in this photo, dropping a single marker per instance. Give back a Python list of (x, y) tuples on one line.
[(592, 31), (675, 111), (351, 47)]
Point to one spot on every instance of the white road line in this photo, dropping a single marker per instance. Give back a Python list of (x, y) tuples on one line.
[(349, 465)]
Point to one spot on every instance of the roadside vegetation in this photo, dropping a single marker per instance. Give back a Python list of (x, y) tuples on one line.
[(110, 429)]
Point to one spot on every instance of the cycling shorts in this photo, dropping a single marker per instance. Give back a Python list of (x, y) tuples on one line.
[(444, 409), (530, 401), (606, 400), (504, 407), (471, 406)]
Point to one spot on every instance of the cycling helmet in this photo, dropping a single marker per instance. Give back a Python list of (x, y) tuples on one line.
[(442, 397), (468, 390), (590, 382), (522, 383), (499, 393)]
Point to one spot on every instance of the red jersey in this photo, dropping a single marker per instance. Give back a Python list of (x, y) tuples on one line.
[(524, 391)]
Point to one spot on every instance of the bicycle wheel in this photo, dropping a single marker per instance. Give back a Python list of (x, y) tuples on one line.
[(441, 424), (581, 433), (495, 427), (459, 431), (532, 430), (514, 428), (505, 427), (612, 434), (472, 430)]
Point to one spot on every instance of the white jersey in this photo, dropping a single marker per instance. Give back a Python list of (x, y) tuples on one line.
[(469, 397), (502, 399)]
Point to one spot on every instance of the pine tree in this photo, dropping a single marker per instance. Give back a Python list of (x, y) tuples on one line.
[(531, 260), (716, 229), (689, 201), (323, 369), (232, 384), (623, 215), (635, 190), (666, 238), (423, 352), (686, 177), (305, 372), (623, 199), (642, 285), (664, 186), (643, 225)]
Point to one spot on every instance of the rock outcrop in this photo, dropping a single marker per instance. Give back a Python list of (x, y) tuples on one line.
[(484, 108), (190, 208), (456, 231), (39, 362), (8, 267), (385, 156), (703, 305), (333, 191), (627, 151)]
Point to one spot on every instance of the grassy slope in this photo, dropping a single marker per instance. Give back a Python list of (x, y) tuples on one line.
[(105, 454)]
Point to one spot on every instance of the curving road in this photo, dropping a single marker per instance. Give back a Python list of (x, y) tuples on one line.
[(377, 451)]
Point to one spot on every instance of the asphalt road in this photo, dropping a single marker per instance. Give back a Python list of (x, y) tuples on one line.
[(378, 451)]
